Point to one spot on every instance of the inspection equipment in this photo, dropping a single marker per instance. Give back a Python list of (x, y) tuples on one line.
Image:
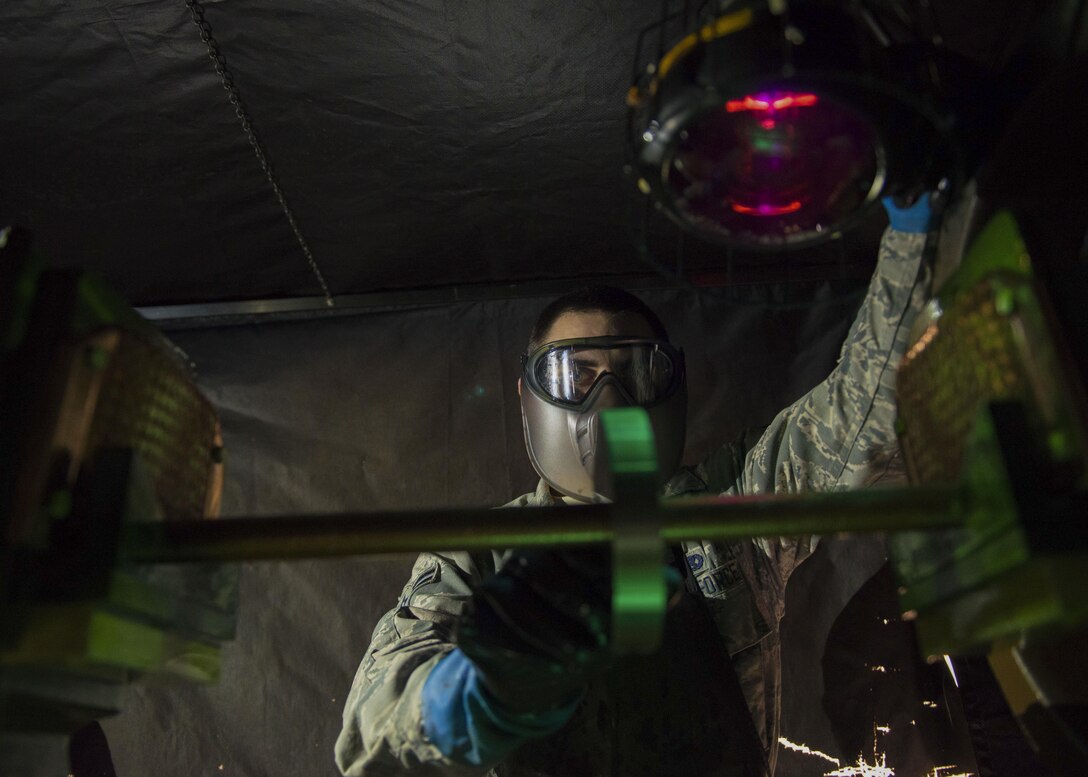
[(776, 126)]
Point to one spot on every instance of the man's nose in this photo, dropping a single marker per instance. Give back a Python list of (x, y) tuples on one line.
[(610, 394)]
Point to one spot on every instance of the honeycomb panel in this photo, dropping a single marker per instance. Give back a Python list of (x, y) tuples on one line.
[(967, 357), (148, 403)]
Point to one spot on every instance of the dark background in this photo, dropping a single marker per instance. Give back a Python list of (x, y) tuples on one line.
[(472, 151), (426, 143)]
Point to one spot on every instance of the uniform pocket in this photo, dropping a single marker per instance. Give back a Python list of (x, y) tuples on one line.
[(737, 618)]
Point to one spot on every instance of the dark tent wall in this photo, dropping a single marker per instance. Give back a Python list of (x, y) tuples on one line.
[(415, 409), (380, 409)]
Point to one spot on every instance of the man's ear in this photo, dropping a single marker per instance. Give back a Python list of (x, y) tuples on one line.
[(519, 387)]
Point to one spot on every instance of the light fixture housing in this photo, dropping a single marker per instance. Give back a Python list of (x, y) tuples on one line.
[(767, 131)]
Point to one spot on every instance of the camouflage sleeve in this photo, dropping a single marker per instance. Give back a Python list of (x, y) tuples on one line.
[(382, 732), (841, 434)]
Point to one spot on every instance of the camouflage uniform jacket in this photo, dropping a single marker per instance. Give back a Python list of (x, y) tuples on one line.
[(837, 436)]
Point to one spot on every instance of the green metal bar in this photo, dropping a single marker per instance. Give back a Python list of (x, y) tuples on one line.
[(706, 518), (639, 588)]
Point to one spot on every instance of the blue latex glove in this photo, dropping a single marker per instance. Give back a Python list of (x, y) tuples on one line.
[(539, 628), (470, 727), (529, 639), (912, 218)]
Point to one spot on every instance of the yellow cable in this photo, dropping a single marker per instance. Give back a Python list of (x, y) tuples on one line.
[(719, 28)]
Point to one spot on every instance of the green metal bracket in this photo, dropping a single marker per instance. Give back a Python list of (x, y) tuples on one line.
[(987, 403), (638, 572), (998, 247)]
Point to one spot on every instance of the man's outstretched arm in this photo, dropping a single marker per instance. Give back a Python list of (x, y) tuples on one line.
[(383, 722), (841, 434)]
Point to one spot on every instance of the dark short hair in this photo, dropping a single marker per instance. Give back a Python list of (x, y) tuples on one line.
[(606, 299)]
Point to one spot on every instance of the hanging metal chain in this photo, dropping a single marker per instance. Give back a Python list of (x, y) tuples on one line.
[(196, 10)]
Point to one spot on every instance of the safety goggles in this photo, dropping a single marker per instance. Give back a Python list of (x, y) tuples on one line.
[(568, 371)]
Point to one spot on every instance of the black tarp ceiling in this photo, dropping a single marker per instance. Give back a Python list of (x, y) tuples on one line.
[(421, 144)]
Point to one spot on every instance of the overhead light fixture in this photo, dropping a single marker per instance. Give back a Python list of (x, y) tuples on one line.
[(769, 128)]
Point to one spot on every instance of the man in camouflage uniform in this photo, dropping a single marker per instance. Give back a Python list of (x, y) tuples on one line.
[(838, 436)]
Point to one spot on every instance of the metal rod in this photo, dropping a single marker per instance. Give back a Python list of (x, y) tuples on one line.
[(217, 314), (705, 518)]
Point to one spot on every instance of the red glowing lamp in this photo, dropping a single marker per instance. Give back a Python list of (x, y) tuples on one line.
[(769, 103), (752, 141), (766, 209)]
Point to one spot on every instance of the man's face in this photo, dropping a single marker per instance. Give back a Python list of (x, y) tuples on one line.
[(561, 409), (590, 364)]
